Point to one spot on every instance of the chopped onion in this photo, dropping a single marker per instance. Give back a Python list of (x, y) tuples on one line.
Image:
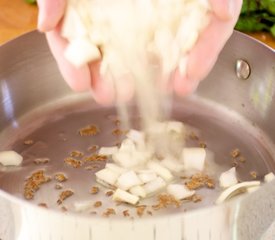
[(172, 164), (80, 51), (179, 191), (269, 177), (108, 150), (175, 126), (136, 136), (193, 159), (128, 180), (138, 191), (115, 168), (147, 176), (123, 196), (10, 158), (160, 170), (228, 178), (154, 186), (83, 206), (107, 177), (236, 189)]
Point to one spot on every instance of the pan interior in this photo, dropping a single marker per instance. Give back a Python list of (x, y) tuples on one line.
[(54, 132)]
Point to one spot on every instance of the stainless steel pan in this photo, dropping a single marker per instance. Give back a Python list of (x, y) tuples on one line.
[(233, 107)]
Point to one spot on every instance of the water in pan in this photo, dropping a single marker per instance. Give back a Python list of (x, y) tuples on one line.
[(55, 134)]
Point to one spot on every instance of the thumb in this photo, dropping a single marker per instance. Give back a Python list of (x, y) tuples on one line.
[(50, 13)]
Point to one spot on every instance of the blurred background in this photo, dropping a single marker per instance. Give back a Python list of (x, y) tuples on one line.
[(257, 19)]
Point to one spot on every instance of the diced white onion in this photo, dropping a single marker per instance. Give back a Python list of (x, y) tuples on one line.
[(107, 177), (160, 170), (83, 206), (10, 158), (179, 191), (81, 51), (172, 164), (138, 191), (128, 180), (228, 178), (123, 196), (115, 168), (154, 186), (108, 150), (147, 176), (193, 159), (269, 177)]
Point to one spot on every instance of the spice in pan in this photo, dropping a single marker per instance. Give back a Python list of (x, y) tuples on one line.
[(200, 180), (97, 204), (44, 205), (253, 174), (193, 136), (58, 186), (242, 159), (108, 212), (126, 213), (117, 132), (73, 162), (235, 153), (140, 210), (92, 167), (202, 145), (28, 142), (60, 177), (76, 154), (41, 160), (33, 183), (64, 209), (89, 130), (149, 212), (109, 193), (96, 157), (64, 195), (165, 200), (93, 148), (94, 190)]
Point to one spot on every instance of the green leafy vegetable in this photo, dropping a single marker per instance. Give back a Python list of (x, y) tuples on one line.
[(30, 1), (257, 15)]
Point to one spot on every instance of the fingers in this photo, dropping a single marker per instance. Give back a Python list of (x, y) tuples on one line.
[(205, 53), (223, 9), (77, 78), (50, 13)]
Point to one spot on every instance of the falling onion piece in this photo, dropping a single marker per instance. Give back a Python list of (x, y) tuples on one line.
[(83, 206), (160, 170), (107, 177), (179, 191), (228, 178), (138, 191), (236, 189), (115, 168), (136, 136), (123, 196), (107, 151), (147, 176), (154, 186), (10, 158), (128, 180), (193, 159), (269, 177), (80, 51), (172, 164)]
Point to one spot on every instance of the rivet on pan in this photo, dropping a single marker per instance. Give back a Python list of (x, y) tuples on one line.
[(242, 69)]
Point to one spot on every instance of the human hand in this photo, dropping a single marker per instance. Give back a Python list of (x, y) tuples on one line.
[(210, 43), (84, 78), (200, 61)]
